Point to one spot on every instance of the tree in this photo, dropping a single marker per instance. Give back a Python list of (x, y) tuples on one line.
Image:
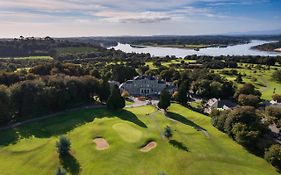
[(277, 98), (181, 96), (248, 100), (60, 171), (239, 78), (274, 115), (115, 100), (273, 155), (247, 89), (165, 99), (168, 133), (244, 135), (122, 73), (63, 146), (277, 75), (104, 90), (4, 104)]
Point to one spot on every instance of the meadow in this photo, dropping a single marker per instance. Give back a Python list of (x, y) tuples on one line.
[(197, 148)]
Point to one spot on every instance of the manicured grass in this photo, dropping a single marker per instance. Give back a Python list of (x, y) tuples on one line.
[(167, 64), (30, 149), (260, 78), (129, 102), (29, 58)]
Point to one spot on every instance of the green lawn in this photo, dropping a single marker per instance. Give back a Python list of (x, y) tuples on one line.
[(260, 78), (30, 149)]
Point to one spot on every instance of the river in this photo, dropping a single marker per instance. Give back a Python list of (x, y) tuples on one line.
[(241, 49)]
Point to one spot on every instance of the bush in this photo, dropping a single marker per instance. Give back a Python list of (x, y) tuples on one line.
[(273, 155), (63, 146)]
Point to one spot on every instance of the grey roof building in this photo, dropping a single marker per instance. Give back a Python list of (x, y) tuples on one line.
[(146, 86)]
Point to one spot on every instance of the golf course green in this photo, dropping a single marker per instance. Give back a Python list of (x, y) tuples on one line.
[(196, 148)]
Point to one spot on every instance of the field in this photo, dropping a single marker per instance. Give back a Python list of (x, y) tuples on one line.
[(258, 77), (197, 147)]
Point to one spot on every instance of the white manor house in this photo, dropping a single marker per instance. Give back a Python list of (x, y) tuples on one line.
[(146, 86)]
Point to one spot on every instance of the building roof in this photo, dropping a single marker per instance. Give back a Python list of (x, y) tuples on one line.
[(212, 101), (141, 77)]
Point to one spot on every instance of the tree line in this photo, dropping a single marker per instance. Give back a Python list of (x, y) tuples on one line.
[(49, 94)]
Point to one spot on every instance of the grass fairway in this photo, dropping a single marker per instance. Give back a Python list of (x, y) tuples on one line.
[(30, 149), (258, 77)]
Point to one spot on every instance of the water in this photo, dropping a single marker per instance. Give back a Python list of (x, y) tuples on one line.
[(241, 49)]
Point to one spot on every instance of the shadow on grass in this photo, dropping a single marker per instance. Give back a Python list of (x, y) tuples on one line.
[(62, 124), (185, 121), (9, 136), (125, 115), (70, 164), (178, 145)]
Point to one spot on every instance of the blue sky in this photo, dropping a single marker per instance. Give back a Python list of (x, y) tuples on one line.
[(60, 18)]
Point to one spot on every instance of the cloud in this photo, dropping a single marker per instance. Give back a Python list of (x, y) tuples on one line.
[(133, 17), (140, 16)]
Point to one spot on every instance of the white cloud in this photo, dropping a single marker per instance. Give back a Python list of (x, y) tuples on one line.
[(127, 17)]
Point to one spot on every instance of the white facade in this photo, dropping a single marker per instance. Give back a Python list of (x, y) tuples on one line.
[(145, 86)]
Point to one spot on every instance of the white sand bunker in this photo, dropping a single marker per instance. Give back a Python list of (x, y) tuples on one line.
[(149, 146), (101, 144)]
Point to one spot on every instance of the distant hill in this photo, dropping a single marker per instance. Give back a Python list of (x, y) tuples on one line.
[(264, 32)]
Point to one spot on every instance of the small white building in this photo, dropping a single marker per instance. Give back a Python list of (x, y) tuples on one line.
[(146, 86), (219, 104)]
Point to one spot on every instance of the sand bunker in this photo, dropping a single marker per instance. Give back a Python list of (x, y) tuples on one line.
[(101, 144), (149, 146)]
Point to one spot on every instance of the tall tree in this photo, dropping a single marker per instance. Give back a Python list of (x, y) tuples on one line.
[(115, 100), (104, 90), (4, 104), (181, 96), (165, 99)]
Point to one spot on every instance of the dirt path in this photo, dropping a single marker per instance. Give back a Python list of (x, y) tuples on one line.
[(14, 125)]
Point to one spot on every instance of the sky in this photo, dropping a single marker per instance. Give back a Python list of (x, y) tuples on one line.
[(72, 18)]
